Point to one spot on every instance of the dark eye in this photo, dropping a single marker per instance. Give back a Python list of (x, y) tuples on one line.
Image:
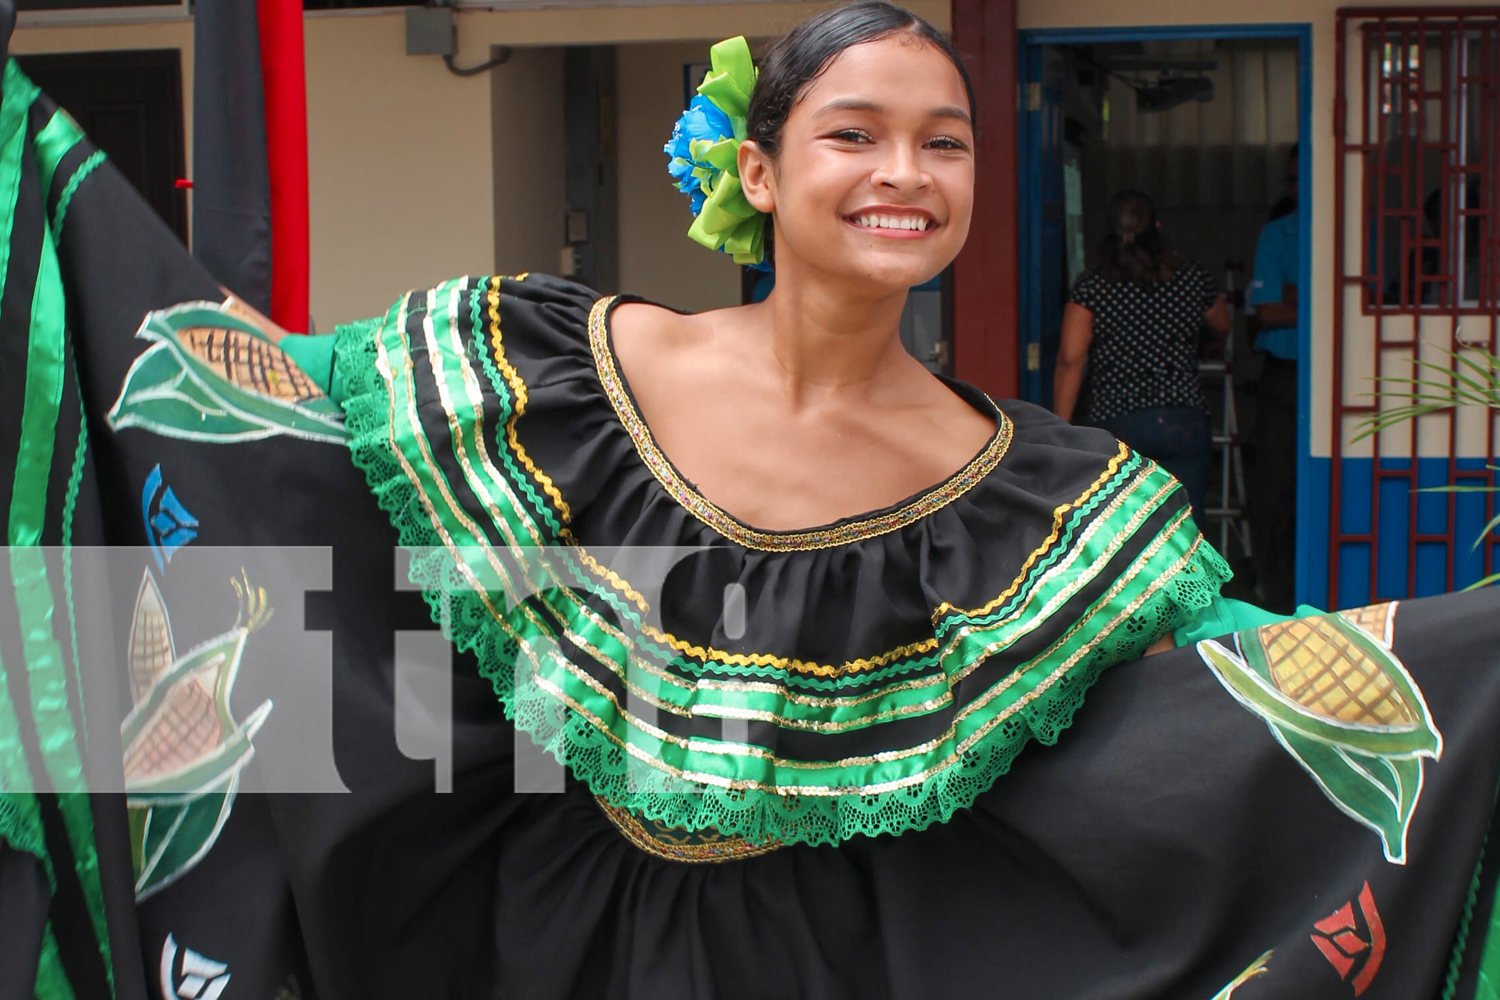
[(946, 142), (852, 135)]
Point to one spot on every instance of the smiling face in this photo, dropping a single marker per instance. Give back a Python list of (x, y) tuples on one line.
[(873, 183)]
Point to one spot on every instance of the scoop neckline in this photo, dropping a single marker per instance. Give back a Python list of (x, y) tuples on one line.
[(843, 531)]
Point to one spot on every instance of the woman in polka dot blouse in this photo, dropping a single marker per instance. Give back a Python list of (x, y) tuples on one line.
[(1134, 319)]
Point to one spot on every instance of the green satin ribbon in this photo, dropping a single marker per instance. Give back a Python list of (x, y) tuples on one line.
[(56, 139), (20, 819), (51, 976), (46, 365), (728, 221)]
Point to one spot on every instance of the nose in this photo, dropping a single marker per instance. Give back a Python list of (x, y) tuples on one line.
[(900, 170)]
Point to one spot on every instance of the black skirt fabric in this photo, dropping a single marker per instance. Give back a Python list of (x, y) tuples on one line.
[(1298, 811)]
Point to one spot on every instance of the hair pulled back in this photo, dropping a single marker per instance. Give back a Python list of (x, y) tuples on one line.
[(1135, 250), (800, 57)]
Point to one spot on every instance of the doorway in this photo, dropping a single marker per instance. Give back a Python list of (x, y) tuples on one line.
[(130, 104), (1203, 120)]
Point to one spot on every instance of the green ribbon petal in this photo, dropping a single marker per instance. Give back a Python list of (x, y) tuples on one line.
[(731, 81), (745, 244), (728, 221), (699, 233), (724, 154), (705, 179)]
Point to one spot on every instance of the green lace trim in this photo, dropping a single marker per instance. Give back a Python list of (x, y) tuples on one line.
[(618, 773)]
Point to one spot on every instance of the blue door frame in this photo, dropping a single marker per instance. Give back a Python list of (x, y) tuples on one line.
[(1312, 489)]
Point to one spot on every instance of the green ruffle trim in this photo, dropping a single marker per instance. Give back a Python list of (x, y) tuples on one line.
[(19, 825), (618, 777)]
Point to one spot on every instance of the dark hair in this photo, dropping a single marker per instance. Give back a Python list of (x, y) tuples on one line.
[(1134, 250), (800, 57)]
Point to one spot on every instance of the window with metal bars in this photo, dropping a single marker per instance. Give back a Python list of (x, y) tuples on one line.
[(1416, 295), (1433, 223)]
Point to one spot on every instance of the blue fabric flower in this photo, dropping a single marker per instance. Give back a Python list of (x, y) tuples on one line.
[(701, 121)]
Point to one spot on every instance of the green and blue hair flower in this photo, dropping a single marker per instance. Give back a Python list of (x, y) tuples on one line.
[(704, 152)]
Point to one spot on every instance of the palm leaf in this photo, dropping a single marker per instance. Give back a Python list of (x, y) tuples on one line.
[(1473, 379)]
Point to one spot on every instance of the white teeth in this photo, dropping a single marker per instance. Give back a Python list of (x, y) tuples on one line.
[(918, 223)]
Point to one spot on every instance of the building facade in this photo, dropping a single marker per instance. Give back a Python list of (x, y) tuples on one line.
[(417, 174)]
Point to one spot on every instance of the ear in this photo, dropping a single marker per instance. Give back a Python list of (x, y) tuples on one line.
[(757, 176)]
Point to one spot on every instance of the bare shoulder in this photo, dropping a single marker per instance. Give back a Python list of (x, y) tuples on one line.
[(940, 411), (637, 321), (641, 330)]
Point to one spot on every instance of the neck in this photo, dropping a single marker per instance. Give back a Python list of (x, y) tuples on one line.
[(829, 341)]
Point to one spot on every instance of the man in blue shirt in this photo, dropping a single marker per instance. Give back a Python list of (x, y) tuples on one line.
[(1273, 296)]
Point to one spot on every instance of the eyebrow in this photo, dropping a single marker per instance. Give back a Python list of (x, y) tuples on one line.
[(856, 104)]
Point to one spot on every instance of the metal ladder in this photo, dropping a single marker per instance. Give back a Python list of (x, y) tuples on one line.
[(1230, 511)]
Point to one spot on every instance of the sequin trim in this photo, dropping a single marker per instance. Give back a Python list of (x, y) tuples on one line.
[(727, 525), (684, 846)]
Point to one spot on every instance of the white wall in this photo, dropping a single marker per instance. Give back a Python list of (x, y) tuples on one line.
[(402, 167), (527, 139), (657, 260), (399, 154)]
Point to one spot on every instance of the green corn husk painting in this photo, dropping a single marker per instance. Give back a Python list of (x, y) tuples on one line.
[(1335, 696), (184, 750), (211, 375)]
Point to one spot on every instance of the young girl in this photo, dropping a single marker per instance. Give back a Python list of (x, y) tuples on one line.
[(787, 608)]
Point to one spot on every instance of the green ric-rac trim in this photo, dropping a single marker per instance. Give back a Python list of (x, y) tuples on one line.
[(712, 783), (1465, 922), (66, 198), (70, 507)]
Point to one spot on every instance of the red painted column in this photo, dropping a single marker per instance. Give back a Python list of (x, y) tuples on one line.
[(986, 277), (284, 79)]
